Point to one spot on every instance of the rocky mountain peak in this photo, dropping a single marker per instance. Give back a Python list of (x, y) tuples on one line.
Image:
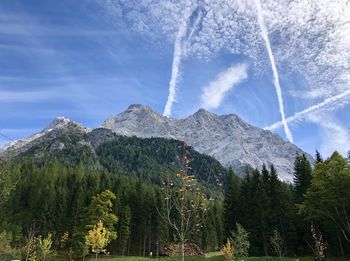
[(202, 113), (62, 122), (59, 121), (138, 107), (58, 125), (227, 138)]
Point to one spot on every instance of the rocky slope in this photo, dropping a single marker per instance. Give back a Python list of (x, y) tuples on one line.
[(227, 138), (50, 133)]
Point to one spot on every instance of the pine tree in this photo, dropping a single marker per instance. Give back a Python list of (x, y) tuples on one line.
[(274, 192), (265, 174), (240, 240), (124, 234), (302, 177), (231, 202), (302, 180), (318, 157)]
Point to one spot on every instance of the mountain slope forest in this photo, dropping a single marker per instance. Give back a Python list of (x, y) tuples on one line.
[(60, 188)]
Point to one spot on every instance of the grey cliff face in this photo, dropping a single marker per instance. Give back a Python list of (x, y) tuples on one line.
[(55, 128), (227, 138)]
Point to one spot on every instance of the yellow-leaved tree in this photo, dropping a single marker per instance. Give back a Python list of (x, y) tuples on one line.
[(227, 250), (98, 238)]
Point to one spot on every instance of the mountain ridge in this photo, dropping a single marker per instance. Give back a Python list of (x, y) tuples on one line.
[(227, 138)]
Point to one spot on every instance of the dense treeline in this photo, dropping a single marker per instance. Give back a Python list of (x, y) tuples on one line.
[(146, 159), (319, 198), (60, 193), (54, 191), (55, 199)]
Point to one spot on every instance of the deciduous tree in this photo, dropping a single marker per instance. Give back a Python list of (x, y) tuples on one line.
[(185, 204), (98, 238)]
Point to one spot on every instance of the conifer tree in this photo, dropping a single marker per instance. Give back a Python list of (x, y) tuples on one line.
[(240, 240), (124, 234), (302, 177), (318, 158), (265, 174), (231, 202)]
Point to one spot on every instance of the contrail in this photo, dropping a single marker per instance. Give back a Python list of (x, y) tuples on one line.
[(276, 81), (175, 70), (323, 105), (179, 50)]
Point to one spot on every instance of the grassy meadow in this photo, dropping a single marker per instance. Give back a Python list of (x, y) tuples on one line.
[(209, 257)]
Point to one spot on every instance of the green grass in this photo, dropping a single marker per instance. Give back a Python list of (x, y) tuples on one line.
[(209, 257), (213, 257)]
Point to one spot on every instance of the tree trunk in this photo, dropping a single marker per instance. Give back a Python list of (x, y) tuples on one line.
[(96, 256), (182, 251), (129, 245), (340, 244), (266, 252)]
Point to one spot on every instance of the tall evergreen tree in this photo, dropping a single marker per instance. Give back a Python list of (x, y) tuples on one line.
[(231, 202), (265, 174), (318, 158), (124, 231), (302, 177), (302, 180)]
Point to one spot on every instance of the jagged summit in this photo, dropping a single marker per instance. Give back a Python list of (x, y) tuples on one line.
[(56, 126), (138, 106), (228, 138), (203, 113), (58, 121)]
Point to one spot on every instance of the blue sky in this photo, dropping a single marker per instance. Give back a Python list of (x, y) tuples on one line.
[(90, 59)]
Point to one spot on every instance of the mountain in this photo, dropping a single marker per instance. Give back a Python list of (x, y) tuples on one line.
[(100, 149), (228, 138), (54, 129)]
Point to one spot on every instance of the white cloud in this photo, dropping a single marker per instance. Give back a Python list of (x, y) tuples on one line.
[(29, 96), (309, 38), (333, 134), (214, 93)]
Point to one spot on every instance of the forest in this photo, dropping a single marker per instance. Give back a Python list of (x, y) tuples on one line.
[(52, 203)]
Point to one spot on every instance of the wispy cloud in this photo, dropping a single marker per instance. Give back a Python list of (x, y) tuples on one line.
[(333, 134), (30, 96), (308, 38), (214, 93), (328, 105)]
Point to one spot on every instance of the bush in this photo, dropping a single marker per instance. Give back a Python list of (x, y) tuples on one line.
[(6, 251), (227, 251), (240, 241)]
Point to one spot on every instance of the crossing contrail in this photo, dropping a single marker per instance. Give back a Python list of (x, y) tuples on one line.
[(181, 46), (341, 100), (175, 70), (265, 36), (179, 53)]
